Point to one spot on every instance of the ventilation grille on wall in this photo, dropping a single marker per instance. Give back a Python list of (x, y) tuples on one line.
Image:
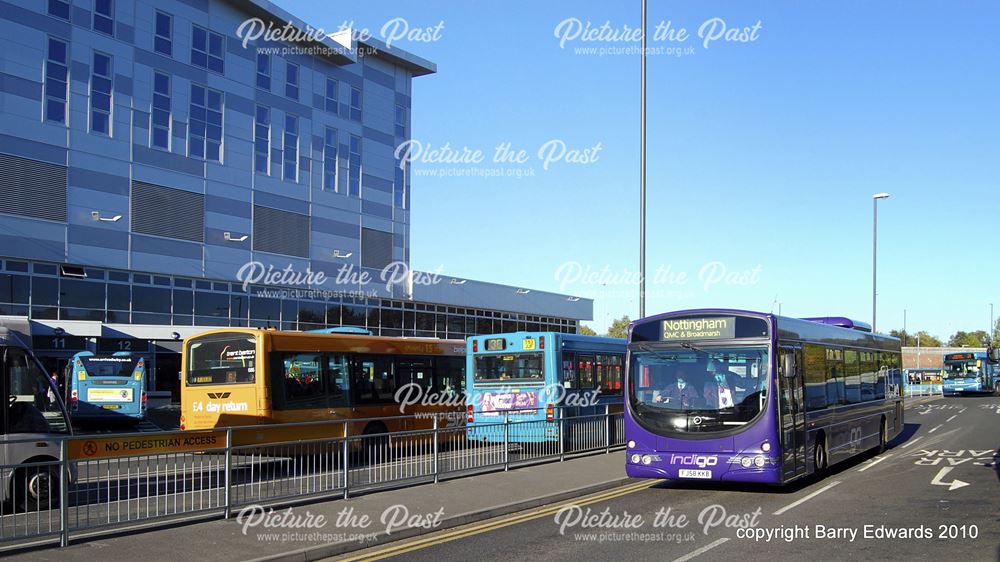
[(376, 248), (164, 211), (280, 232), (32, 188)]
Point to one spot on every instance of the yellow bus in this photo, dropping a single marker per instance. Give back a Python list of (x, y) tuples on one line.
[(249, 376)]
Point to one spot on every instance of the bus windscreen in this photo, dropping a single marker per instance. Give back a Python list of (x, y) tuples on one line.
[(699, 390)]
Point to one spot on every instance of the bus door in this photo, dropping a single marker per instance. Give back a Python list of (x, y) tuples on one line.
[(791, 414)]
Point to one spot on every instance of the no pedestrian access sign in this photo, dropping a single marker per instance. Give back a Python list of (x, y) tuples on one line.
[(85, 448)]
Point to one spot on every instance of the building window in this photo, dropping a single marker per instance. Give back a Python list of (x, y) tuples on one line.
[(56, 78), (104, 18), (161, 111), (330, 159), (59, 9), (332, 96), (354, 167), (100, 94), (206, 49), (205, 137), (399, 185), (356, 104), (292, 80), (264, 71), (163, 41), (291, 146), (262, 140), (400, 121)]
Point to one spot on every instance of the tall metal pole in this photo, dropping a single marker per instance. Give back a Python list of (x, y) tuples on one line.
[(904, 328), (874, 256), (875, 199), (642, 173), (993, 326)]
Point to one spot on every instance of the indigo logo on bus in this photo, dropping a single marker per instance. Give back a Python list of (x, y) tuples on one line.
[(701, 461)]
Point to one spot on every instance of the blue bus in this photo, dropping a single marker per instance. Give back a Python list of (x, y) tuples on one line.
[(106, 387), (539, 377), (969, 372), (720, 394)]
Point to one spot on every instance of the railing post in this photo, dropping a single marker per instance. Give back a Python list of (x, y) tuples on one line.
[(607, 428), (229, 470), (435, 448), (506, 440), (346, 455), (64, 482), (562, 434)]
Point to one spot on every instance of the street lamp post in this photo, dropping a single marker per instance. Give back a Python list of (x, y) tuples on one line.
[(875, 199), (642, 171)]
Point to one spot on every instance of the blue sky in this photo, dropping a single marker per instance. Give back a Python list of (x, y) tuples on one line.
[(763, 155)]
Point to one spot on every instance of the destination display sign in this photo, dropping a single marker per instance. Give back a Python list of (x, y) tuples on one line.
[(960, 356), (683, 329), (496, 344)]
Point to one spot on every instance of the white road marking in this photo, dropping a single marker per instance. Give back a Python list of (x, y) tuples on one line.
[(951, 418), (701, 550), (962, 410), (935, 429), (954, 484), (908, 443), (807, 498), (873, 462)]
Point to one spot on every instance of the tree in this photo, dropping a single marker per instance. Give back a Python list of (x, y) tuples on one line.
[(996, 334), (619, 328), (586, 331), (911, 340), (979, 338)]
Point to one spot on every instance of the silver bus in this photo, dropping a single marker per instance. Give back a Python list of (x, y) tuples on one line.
[(33, 422)]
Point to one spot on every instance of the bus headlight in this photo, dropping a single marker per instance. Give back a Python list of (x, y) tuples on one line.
[(759, 461), (746, 462), (635, 458), (631, 444), (646, 459), (765, 446)]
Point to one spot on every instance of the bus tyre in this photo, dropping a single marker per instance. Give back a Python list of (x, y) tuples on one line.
[(882, 436), (36, 488), (819, 457), (996, 388)]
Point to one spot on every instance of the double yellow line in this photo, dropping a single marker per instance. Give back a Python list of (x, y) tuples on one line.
[(499, 523)]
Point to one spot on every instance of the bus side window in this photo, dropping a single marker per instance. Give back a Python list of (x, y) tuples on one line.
[(376, 379), (449, 375), (304, 386), (568, 370), (338, 379), (585, 366)]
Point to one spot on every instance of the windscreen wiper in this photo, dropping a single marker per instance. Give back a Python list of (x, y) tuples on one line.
[(687, 345)]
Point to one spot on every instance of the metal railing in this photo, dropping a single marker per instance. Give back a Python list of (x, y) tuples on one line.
[(110, 481), (911, 390)]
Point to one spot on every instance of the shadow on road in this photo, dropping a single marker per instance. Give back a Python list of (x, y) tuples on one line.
[(909, 429)]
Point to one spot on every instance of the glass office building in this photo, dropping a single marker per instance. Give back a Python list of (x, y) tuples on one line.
[(148, 153)]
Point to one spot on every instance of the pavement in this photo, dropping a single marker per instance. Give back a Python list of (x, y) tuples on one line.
[(318, 529), (933, 495)]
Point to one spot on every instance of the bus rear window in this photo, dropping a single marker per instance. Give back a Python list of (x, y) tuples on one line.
[(222, 359), (523, 367), (109, 366)]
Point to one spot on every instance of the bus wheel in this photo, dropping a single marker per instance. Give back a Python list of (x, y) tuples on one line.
[(996, 388), (36, 488), (882, 437), (375, 446), (819, 456)]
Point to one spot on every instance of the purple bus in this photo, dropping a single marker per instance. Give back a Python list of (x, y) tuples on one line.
[(733, 395)]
